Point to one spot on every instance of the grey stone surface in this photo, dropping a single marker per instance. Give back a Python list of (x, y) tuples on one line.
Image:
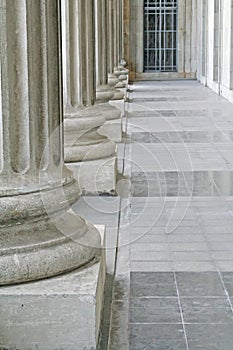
[(58, 313), (219, 336), (154, 310), (157, 336), (186, 237), (152, 284), (200, 284), (96, 176), (206, 310)]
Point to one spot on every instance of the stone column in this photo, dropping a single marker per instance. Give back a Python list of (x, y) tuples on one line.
[(83, 142), (126, 31), (121, 31), (39, 237), (119, 69), (123, 62), (116, 19), (119, 61), (104, 92), (112, 30)]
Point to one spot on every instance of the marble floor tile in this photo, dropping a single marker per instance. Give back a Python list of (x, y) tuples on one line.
[(198, 284), (228, 282), (206, 310), (154, 310), (152, 284), (209, 336), (157, 337)]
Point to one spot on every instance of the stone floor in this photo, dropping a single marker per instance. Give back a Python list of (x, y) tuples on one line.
[(172, 270), (181, 251)]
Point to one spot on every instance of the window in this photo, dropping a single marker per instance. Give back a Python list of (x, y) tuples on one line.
[(160, 32)]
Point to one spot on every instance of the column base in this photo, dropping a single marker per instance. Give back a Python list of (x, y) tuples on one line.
[(104, 93), (120, 104), (44, 238), (96, 176), (82, 139), (112, 129), (112, 80), (108, 111), (57, 313), (121, 84), (118, 95)]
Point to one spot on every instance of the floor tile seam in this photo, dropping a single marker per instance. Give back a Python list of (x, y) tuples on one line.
[(175, 263), (225, 290), (181, 310), (174, 257), (176, 254), (214, 182), (228, 200), (207, 242), (155, 323), (180, 324), (155, 297), (212, 297), (215, 262), (171, 250)]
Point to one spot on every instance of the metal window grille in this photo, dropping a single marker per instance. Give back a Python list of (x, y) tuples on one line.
[(160, 35)]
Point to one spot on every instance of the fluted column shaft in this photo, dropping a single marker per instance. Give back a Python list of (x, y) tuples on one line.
[(111, 62), (81, 63), (112, 51), (34, 183), (104, 92), (120, 71), (30, 108), (121, 40), (116, 20), (82, 118), (101, 42)]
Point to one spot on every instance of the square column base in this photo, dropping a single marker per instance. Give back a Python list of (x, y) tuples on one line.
[(120, 104), (112, 129), (96, 176), (62, 313)]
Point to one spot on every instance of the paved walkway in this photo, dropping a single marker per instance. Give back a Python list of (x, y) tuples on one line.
[(170, 230), (181, 260)]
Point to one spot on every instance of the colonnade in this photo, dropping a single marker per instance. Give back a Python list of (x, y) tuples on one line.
[(60, 65)]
